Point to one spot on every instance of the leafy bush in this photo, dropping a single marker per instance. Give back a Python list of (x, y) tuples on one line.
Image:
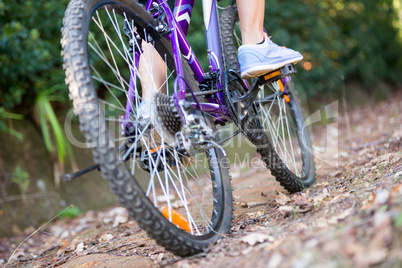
[(30, 66), (29, 50), (358, 40), (355, 40)]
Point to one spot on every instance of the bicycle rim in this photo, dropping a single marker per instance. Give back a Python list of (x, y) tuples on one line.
[(279, 119)]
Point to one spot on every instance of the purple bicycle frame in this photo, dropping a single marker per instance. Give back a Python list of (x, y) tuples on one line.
[(179, 22)]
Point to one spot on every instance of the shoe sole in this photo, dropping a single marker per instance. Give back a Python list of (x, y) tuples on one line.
[(264, 69)]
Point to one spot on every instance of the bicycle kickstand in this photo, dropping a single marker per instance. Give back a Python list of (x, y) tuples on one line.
[(69, 177)]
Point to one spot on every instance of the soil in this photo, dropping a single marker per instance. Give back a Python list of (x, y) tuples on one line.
[(351, 217)]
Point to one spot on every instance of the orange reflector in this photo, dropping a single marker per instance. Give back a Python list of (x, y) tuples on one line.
[(286, 97), (280, 85), (273, 74), (156, 149), (177, 218)]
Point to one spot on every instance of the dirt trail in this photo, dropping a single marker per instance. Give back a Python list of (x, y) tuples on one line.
[(352, 216)]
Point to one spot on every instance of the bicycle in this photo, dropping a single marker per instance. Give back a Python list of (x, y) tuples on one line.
[(181, 193)]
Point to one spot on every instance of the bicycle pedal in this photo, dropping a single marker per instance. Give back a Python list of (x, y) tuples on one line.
[(286, 70)]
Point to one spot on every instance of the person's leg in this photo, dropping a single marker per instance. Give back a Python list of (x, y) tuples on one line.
[(251, 16), (152, 70), (255, 57)]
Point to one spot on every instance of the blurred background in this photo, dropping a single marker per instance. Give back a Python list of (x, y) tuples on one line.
[(352, 50)]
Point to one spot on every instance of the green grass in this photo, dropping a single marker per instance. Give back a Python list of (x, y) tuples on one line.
[(52, 131), (70, 213), (4, 127)]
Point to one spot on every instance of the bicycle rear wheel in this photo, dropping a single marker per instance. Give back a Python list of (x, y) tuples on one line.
[(184, 202), (285, 143)]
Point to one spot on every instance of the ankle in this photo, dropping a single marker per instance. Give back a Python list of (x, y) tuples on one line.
[(252, 38)]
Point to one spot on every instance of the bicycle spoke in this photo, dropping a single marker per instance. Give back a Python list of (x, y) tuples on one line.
[(279, 127)]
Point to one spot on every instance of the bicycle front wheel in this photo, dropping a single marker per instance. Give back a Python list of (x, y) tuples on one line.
[(284, 144), (183, 201)]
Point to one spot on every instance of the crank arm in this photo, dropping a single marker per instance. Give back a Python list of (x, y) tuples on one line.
[(249, 98)]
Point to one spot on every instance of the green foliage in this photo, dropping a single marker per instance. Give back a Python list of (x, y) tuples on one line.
[(30, 65), (47, 117), (29, 49), (70, 213), (21, 177), (357, 40), (5, 116)]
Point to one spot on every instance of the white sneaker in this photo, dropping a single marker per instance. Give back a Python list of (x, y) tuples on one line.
[(260, 59)]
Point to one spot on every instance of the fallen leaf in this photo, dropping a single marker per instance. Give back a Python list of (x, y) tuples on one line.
[(159, 257), (319, 198), (281, 199), (251, 204), (64, 245), (255, 214), (120, 219), (256, 238), (301, 199), (338, 197), (322, 184), (286, 210), (105, 237), (80, 247), (340, 217)]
